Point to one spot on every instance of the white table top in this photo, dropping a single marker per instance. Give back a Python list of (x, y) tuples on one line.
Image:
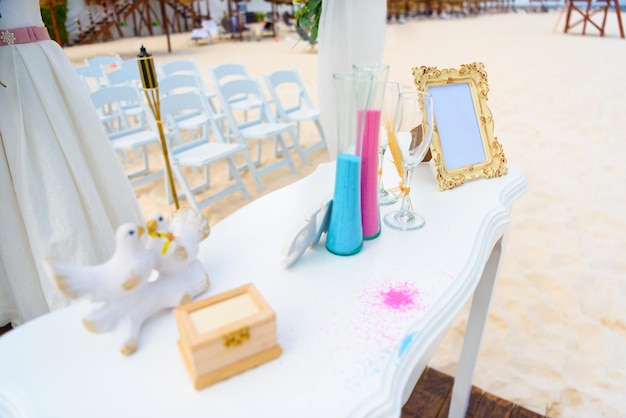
[(349, 327)]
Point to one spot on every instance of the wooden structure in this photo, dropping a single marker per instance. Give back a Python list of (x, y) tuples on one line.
[(586, 10), (105, 19), (172, 16)]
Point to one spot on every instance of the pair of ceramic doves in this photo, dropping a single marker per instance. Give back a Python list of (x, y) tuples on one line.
[(125, 289), (175, 245)]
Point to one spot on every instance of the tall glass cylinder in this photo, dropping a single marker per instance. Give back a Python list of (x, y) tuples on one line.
[(345, 230), (371, 113)]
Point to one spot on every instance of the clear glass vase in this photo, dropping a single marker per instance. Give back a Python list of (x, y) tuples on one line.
[(345, 230), (370, 214)]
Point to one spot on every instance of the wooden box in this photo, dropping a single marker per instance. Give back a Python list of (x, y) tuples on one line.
[(226, 334)]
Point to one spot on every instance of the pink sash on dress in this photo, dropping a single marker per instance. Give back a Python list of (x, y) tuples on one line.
[(23, 35)]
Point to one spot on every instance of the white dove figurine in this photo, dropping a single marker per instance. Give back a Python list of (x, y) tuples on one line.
[(124, 316), (129, 267), (159, 238), (164, 293), (176, 245)]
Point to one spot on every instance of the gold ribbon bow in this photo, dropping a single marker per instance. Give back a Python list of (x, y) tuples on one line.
[(168, 235), (404, 190)]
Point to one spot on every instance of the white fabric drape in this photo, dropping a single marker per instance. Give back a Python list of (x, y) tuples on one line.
[(350, 32), (62, 188)]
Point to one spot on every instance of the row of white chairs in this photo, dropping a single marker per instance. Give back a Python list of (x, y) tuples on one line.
[(199, 133), (300, 110)]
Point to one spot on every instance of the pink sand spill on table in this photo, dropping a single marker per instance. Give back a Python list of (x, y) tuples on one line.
[(400, 297)]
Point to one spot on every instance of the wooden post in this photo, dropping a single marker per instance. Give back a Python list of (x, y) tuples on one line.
[(57, 34), (165, 25), (109, 15), (149, 18), (144, 17), (136, 30), (619, 18)]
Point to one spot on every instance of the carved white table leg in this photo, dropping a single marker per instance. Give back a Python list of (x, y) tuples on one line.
[(474, 331)]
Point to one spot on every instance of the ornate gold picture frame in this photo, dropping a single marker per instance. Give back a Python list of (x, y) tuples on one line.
[(463, 145)]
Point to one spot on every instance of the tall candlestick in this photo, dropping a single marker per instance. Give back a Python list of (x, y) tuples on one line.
[(151, 90)]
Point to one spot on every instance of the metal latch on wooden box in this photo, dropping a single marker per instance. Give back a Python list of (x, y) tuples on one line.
[(236, 338)]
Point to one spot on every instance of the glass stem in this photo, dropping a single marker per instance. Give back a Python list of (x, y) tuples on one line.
[(406, 205), (381, 155)]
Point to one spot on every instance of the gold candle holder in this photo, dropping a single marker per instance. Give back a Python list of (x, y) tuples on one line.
[(151, 90)]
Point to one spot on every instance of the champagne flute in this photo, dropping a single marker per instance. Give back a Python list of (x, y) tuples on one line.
[(390, 98), (414, 131)]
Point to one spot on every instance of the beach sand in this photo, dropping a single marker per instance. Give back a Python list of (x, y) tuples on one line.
[(555, 341)]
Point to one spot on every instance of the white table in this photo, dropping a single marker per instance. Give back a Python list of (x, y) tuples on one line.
[(356, 331)]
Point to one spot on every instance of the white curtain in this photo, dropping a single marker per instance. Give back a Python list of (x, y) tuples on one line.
[(350, 32)]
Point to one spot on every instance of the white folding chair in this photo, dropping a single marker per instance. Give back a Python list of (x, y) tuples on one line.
[(105, 61), (92, 77), (189, 120), (178, 82), (188, 67), (93, 72), (127, 74), (234, 71), (123, 133), (260, 127), (129, 63), (293, 103), (198, 151)]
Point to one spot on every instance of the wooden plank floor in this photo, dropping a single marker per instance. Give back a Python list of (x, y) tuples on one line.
[(431, 399)]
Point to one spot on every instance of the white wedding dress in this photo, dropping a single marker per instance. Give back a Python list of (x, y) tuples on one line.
[(62, 189)]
